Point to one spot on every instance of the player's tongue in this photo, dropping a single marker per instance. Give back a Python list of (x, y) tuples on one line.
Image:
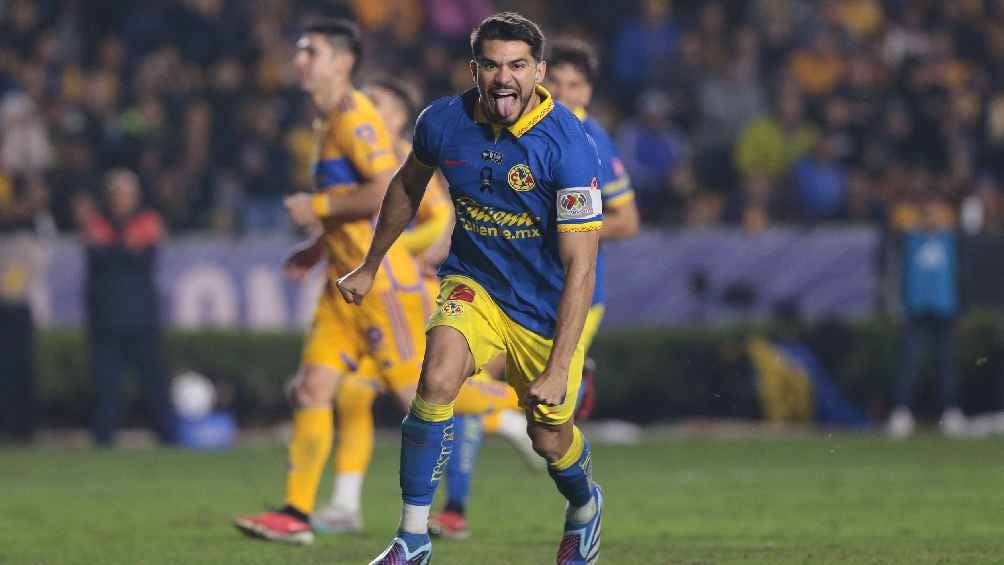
[(505, 104)]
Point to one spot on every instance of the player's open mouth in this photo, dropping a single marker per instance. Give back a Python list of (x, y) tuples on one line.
[(505, 102)]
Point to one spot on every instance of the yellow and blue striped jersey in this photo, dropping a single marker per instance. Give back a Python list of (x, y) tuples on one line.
[(514, 190), (354, 146)]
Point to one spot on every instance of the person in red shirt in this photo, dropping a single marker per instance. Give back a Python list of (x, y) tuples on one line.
[(121, 239)]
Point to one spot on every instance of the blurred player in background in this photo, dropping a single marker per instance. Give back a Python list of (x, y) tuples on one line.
[(355, 161), (428, 240), (518, 280), (571, 70)]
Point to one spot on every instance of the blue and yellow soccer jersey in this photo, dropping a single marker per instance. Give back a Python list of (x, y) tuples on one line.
[(514, 190), (615, 186)]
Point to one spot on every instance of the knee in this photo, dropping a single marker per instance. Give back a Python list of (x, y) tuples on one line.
[(437, 389), (314, 386), (546, 442)]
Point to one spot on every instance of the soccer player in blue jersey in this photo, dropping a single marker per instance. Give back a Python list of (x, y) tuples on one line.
[(518, 280), (572, 66)]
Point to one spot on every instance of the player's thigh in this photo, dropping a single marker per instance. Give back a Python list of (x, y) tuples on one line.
[(393, 324), (463, 334), (359, 389), (528, 353), (332, 349)]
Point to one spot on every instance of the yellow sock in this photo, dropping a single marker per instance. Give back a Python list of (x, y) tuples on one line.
[(308, 453), (481, 393), (431, 412), (574, 451), (354, 410)]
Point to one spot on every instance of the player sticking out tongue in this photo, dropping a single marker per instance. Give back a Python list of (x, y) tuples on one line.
[(506, 72)]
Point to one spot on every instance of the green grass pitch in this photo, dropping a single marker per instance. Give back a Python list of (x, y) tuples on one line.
[(840, 499)]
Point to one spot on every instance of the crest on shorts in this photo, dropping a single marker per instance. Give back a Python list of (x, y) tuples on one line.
[(462, 292), (520, 178), (453, 308)]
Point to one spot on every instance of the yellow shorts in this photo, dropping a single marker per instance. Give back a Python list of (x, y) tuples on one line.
[(466, 307), (388, 326), (593, 319)]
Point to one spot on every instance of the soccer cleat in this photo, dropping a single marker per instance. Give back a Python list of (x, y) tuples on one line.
[(580, 545), (399, 553), (276, 526), (334, 520), (449, 524)]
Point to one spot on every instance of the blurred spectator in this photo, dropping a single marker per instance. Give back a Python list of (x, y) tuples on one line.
[(821, 182), (22, 211), (769, 145), (641, 43), (819, 66), (123, 316), (265, 167), (24, 141), (650, 148), (930, 300)]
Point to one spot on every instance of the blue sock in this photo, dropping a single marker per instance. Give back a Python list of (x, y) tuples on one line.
[(574, 482), (469, 435), (425, 451)]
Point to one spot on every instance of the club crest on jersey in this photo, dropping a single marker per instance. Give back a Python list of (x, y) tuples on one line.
[(462, 292), (453, 308), (491, 156), (574, 204), (520, 178)]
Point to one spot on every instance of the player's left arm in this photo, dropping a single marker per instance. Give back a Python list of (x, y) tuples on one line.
[(577, 250), (620, 222)]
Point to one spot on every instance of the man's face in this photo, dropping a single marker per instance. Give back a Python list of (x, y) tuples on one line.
[(569, 86), (506, 74), (320, 64), (123, 194), (390, 108)]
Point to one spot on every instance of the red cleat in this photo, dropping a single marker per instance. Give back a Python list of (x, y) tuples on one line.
[(276, 526), (449, 524)]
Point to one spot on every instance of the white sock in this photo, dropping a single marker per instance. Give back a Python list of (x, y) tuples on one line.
[(348, 492), (583, 514), (415, 519)]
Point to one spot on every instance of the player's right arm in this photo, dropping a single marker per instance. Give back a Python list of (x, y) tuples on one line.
[(404, 194)]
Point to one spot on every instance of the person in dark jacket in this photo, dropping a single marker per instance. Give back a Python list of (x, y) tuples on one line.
[(123, 318)]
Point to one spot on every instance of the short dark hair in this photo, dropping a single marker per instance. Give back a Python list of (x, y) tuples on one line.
[(341, 34), (401, 90), (578, 54), (508, 26)]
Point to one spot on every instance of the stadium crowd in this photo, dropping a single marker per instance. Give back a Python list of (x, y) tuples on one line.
[(736, 112)]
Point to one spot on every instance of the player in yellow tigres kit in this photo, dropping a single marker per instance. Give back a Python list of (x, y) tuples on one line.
[(427, 240)]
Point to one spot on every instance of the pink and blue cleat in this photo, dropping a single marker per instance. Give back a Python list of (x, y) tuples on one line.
[(406, 549), (580, 544)]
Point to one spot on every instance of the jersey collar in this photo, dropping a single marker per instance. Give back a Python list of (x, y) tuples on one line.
[(580, 113), (530, 119)]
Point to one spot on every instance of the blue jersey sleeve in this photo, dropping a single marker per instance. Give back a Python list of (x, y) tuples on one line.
[(615, 185), (579, 206), (428, 135)]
